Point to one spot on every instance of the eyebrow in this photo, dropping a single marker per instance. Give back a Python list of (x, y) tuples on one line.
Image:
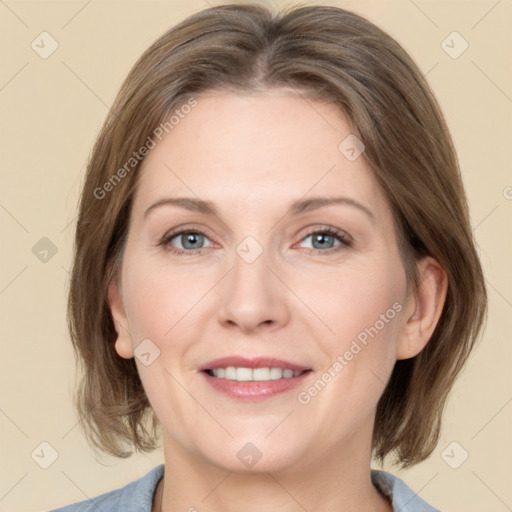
[(301, 206)]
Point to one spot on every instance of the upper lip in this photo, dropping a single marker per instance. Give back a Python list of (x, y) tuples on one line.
[(256, 362)]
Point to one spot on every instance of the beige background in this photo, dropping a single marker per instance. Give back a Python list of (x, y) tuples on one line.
[(52, 110)]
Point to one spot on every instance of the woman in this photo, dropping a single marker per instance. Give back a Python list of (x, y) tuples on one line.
[(274, 263)]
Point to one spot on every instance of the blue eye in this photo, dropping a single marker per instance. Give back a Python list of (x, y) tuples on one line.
[(325, 239), (189, 241)]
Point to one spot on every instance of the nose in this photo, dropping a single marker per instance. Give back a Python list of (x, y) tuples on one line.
[(254, 297)]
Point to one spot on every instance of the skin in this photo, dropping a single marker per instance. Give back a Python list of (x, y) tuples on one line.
[(252, 156)]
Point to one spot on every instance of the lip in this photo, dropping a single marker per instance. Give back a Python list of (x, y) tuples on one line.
[(256, 362), (253, 391)]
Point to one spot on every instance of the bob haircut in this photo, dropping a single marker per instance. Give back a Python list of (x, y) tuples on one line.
[(326, 54)]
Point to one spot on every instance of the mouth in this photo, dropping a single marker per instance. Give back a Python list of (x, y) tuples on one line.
[(253, 379), (242, 374)]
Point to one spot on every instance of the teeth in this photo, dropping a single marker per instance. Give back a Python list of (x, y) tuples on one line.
[(276, 373), (230, 373), (261, 374), (243, 374), (249, 374)]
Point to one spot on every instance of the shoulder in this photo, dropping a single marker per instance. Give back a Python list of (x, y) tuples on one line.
[(404, 499), (137, 496)]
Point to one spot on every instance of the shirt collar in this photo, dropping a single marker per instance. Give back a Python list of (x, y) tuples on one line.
[(138, 495), (402, 497)]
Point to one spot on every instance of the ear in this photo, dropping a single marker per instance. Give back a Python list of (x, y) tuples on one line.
[(423, 309), (123, 343)]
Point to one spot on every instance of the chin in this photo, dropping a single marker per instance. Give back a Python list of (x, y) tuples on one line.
[(258, 455)]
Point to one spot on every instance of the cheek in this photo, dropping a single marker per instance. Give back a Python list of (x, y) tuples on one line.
[(158, 299), (366, 314), (350, 301), (363, 312), (160, 305)]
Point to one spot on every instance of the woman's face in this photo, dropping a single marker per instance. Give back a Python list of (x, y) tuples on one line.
[(225, 312)]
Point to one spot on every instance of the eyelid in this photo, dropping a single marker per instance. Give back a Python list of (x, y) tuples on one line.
[(194, 228), (330, 229)]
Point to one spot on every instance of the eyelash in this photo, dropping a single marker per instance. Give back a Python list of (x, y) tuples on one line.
[(343, 238)]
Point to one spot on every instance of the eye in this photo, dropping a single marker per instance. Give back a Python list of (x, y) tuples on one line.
[(328, 240), (188, 241), (192, 241)]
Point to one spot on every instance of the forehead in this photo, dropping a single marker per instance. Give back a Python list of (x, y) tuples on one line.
[(275, 146)]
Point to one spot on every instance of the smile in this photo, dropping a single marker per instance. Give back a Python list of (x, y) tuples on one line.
[(242, 374), (254, 379)]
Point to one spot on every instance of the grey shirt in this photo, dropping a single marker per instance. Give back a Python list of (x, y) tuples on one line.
[(137, 496)]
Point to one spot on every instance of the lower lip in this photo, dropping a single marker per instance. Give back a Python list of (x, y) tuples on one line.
[(254, 390)]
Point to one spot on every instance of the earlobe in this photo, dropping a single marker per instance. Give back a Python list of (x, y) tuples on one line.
[(123, 344), (425, 308)]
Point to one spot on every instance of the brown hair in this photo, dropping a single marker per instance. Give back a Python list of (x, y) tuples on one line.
[(327, 54)]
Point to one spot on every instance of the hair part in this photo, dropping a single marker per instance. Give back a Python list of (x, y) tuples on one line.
[(325, 54)]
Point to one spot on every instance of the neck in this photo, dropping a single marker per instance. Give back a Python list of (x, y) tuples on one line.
[(327, 484)]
